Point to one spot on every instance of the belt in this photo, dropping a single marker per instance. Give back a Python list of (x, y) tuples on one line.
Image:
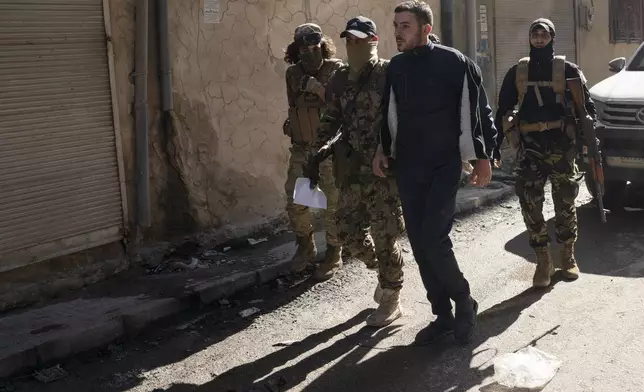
[(541, 126)]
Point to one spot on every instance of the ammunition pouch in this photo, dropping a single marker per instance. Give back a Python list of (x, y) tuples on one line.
[(511, 131), (303, 124)]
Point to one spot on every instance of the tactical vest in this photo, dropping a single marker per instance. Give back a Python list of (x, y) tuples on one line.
[(305, 114), (557, 84), (353, 154)]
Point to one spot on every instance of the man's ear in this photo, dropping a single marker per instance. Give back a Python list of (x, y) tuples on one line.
[(427, 29)]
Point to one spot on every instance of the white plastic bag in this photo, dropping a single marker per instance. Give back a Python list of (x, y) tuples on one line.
[(527, 368)]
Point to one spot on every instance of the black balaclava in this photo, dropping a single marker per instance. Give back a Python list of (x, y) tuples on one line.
[(546, 53)]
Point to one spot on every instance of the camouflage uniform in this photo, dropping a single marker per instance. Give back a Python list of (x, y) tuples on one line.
[(363, 196), (304, 113), (545, 135)]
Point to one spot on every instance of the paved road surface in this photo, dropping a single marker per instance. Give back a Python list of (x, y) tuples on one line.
[(314, 338)]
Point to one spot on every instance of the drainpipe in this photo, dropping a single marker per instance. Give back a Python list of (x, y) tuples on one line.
[(447, 22), (164, 56), (141, 115), (470, 28)]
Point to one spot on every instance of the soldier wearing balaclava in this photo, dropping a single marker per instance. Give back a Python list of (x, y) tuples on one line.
[(543, 133), (349, 129)]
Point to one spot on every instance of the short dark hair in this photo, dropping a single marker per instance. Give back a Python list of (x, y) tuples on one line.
[(420, 9), (292, 51)]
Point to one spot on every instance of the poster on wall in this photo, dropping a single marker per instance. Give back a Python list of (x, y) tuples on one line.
[(211, 11)]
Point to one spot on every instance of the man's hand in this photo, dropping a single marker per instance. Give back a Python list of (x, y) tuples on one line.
[(311, 170), (311, 85), (482, 173), (379, 162)]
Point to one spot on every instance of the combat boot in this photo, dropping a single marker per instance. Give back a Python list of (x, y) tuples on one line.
[(330, 265), (373, 265), (388, 311), (545, 269), (377, 295), (569, 268), (305, 253)]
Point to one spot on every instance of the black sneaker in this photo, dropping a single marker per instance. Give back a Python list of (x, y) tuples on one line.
[(465, 321), (437, 330)]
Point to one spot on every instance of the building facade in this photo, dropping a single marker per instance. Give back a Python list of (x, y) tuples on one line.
[(70, 174)]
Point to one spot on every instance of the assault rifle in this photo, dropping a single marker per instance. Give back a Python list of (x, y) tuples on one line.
[(585, 123)]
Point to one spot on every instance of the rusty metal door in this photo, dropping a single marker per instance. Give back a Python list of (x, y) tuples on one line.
[(59, 180)]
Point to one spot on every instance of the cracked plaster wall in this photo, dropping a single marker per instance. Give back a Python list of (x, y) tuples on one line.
[(225, 157)]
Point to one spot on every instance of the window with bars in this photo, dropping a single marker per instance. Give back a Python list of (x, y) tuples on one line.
[(626, 21)]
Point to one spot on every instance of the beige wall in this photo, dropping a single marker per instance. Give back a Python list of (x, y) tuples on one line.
[(595, 48), (224, 164)]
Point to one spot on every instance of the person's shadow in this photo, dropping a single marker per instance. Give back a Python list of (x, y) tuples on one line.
[(433, 368), (410, 368), (614, 248), (239, 377)]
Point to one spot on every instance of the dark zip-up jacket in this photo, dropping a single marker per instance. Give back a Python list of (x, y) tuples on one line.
[(428, 84)]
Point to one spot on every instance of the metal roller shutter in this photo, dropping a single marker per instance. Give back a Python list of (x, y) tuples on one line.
[(512, 21), (59, 182)]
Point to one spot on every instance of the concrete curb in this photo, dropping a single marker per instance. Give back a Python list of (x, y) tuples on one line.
[(132, 320), (215, 290), (129, 322)]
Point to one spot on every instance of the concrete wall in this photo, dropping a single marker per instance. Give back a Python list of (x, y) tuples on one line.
[(218, 165), (595, 49), (222, 164)]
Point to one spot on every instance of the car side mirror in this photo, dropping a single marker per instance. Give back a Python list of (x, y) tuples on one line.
[(616, 65)]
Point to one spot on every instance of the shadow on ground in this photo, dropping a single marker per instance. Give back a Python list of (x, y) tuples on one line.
[(400, 368), (614, 248), (122, 365)]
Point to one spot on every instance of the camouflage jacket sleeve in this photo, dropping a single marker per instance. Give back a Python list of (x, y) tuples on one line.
[(290, 93), (573, 72), (331, 117)]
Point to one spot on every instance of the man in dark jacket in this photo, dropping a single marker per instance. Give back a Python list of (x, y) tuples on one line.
[(545, 138), (440, 107)]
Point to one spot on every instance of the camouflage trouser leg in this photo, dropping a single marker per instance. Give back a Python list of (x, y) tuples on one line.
[(378, 202), (564, 192), (300, 216), (534, 170), (387, 225), (351, 218), (327, 185)]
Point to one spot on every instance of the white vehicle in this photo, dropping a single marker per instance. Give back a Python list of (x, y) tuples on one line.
[(620, 129)]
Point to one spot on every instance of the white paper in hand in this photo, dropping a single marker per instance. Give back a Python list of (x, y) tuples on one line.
[(304, 195)]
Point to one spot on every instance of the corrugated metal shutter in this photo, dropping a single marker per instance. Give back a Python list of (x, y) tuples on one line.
[(59, 184), (513, 19)]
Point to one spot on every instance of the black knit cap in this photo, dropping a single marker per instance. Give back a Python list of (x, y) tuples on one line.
[(545, 24)]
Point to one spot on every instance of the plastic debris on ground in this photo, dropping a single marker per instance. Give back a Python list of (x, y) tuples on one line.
[(253, 242), (51, 374), (527, 368), (248, 312)]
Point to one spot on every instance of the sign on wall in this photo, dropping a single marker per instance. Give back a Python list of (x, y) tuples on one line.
[(211, 11)]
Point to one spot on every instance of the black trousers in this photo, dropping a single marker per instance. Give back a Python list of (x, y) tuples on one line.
[(429, 203)]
